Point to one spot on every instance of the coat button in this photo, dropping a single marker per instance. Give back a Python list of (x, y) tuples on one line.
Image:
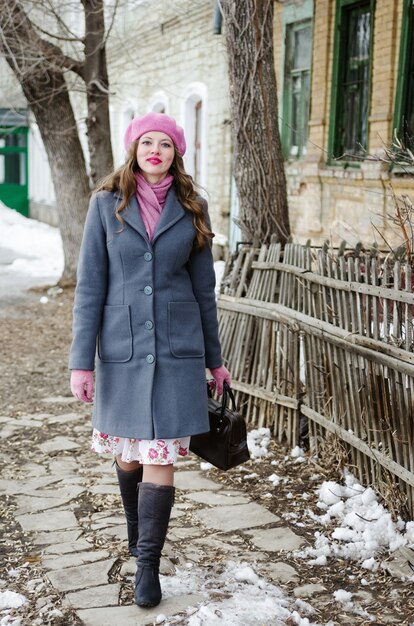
[(149, 325), (148, 256), (150, 358), (148, 290)]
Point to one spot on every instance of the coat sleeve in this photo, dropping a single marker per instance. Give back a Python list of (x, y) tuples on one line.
[(90, 290), (203, 278)]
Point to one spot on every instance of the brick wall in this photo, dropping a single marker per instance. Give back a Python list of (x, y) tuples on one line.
[(330, 201)]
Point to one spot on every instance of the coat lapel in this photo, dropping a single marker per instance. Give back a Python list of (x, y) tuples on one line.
[(132, 216), (171, 213)]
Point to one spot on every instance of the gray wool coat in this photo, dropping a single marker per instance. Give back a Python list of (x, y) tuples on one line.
[(147, 308)]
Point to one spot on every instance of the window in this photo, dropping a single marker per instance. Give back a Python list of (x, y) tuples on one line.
[(351, 80), (194, 115), (298, 58), (14, 166), (13, 157), (404, 106), (197, 141)]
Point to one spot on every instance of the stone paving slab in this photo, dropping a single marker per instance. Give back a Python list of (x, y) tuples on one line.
[(60, 400), (116, 532), (276, 539), (67, 547), (23, 422), (74, 559), (55, 538), (194, 481), (309, 590), (134, 616), (14, 487), (63, 466), (103, 489), (34, 470), (58, 444), (106, 522), (280, 572), (216, 498), (176, 534), (59, 520), (81, 577), (29, 504), (94, 597), (228, 518), (216, 543)]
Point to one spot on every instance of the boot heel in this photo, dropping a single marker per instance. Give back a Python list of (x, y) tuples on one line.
[(147, 586)]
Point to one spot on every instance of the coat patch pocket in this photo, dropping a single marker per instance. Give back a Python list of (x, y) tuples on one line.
[(115, 335), (185, 330)]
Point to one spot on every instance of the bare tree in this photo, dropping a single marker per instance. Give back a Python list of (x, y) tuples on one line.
[(43, 69), (258, 160)]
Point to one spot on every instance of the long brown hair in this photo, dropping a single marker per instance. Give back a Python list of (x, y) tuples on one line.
[(123, 180)]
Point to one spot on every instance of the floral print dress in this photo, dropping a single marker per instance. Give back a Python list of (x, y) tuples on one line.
[(148, 452)]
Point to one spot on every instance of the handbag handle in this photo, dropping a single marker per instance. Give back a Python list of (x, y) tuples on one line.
[(227, 393)]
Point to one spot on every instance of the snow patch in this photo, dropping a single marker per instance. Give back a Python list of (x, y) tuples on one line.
[(11, 600), (252, 600), (39, 244), (258, 442), (360, 528), (340, 595)]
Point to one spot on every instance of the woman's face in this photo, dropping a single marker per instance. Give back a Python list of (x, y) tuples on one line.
[(155, 154)]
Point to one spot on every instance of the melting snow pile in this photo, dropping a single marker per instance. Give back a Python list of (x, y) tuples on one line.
[(11, 600), (40, 243), (258, 442), (252, 599), (363, 527)]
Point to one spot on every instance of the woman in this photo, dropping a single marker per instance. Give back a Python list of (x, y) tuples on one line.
[(145, 297)]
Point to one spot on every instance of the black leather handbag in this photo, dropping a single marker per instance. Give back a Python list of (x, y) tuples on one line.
[(225, 445)]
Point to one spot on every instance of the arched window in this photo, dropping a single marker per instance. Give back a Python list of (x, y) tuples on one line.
[(195, 126), (125, 117), (159, 103)]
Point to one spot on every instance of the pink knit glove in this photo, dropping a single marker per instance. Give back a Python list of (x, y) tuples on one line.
[(220, 374), (82, 385)]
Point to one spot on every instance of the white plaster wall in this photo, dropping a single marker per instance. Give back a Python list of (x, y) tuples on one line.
[(171, 58)]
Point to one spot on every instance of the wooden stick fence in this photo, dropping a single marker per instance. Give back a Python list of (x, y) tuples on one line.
[(327, 337)]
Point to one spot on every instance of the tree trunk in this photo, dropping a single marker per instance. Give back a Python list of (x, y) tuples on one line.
[(95, 75), (258, 160), (47, 94), (67, 165)]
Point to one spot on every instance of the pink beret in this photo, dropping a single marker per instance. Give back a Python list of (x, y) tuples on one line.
[(157, 122)]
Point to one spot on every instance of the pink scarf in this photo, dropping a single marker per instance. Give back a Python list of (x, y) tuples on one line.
[(151, 199)]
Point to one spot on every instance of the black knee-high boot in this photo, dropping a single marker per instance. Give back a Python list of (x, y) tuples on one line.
[(154, 509), (128, 486)]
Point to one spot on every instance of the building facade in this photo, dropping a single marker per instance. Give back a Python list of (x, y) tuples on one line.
[(346, 90), (345, 72), (173, 62)]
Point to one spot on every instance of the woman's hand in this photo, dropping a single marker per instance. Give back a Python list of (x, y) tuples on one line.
[(82, 385), (220, 374)]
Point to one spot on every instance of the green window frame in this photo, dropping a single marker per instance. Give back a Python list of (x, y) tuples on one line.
[(403, 122), (297, 85), (14, 168), (351, 80)]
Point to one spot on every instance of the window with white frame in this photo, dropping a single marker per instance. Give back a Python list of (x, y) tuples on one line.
[(195, 131)]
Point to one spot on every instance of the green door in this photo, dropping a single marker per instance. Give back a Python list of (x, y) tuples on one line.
[(13, 168)]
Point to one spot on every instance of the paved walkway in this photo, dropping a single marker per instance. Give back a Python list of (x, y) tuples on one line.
[(67, 504)]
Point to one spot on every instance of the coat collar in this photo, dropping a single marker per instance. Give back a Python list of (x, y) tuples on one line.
[(171, 213)]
